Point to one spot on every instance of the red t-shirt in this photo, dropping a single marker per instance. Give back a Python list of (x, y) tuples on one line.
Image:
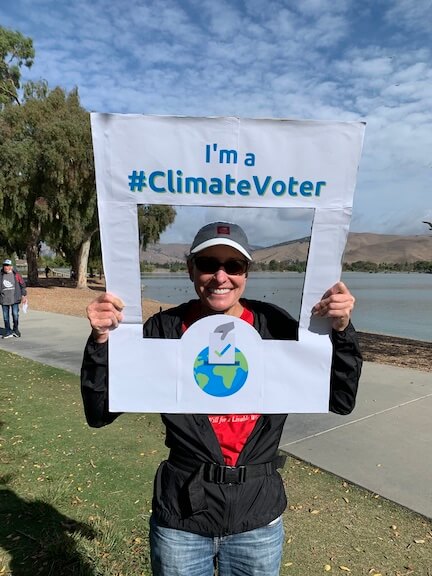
[(232, 430)]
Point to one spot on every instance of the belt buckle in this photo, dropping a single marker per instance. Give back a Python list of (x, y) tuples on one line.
[(230, 475)]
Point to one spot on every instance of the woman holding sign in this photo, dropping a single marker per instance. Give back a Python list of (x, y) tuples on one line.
[(218, 499)]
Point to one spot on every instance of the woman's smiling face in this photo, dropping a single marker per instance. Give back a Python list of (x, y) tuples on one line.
[(219, 292)]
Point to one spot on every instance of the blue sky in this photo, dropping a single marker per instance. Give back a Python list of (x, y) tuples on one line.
[(318, 59)]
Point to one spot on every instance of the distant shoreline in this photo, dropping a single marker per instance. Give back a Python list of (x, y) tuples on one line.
[(157, 271)]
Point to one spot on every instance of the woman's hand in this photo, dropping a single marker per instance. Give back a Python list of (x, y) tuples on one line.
[(337, 303), (104, 314)]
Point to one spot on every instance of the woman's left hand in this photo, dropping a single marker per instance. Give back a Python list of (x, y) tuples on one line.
[(337, 303)]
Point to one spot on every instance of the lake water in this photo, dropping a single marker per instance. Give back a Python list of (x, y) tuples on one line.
[(394, 304)]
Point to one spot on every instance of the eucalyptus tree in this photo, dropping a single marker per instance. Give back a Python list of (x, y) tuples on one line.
[(152, 221), (16, 51), (22, 209), (67, 153), (47, 189)]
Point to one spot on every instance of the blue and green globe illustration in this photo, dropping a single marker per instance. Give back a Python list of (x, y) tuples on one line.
[(220, 379)]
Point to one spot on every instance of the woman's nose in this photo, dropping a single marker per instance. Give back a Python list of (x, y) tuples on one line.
[(221, 275)]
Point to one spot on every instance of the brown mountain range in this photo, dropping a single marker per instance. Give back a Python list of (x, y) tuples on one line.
[(377, 248)]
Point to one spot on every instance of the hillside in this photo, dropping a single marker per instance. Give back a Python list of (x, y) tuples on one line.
[(388, 248), (377, 248)]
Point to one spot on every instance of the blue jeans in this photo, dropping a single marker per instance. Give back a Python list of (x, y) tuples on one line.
[(254, 553), (6, 316)]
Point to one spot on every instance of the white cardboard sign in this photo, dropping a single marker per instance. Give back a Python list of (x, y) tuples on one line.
[(221, 364)]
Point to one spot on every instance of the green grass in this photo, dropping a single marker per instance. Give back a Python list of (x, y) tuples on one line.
[(76, 501)]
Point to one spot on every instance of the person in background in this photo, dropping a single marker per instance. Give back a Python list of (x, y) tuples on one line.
[(12, 293), (218, 498)]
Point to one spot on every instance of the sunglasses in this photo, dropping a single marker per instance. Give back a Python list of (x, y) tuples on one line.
[(209, 265)]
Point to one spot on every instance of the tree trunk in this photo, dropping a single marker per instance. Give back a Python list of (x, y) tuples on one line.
[(32, 264), (81, 263)]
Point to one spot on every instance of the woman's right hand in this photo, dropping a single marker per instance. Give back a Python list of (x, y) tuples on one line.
[(104, 314)]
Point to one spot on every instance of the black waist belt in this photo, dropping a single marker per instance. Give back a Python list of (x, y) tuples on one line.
[(220, 474), (201, 472)]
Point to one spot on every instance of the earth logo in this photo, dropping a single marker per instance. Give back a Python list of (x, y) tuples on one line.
[(220, 379)]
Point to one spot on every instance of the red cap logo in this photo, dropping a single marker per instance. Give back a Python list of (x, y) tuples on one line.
[(223, 230)]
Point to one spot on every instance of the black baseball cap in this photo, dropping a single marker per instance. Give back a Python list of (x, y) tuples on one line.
[(225, 233)]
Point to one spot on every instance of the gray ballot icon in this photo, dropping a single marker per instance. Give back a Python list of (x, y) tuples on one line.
[(222, 344)]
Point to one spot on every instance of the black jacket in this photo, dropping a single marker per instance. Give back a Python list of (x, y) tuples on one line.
[(193, 489)]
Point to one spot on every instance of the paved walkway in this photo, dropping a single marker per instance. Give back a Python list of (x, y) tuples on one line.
[(384, 446)]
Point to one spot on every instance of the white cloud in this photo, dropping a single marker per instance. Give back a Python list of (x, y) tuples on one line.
[(412, 15), (263, 227)]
